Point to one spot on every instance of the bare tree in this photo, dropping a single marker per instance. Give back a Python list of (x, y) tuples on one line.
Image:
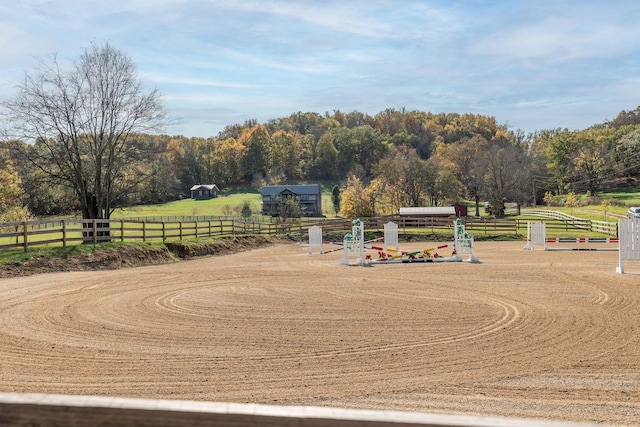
[(84, 126), (470, 156), (507, 175)]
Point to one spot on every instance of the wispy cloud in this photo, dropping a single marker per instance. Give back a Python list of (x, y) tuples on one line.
[(532, 64)]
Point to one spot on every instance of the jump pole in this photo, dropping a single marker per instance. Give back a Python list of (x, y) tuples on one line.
[(537, 235)]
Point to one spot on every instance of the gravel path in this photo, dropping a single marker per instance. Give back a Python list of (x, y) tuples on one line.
[(550, 335)]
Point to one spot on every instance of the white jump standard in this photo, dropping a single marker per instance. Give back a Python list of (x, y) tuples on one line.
[(315, 239), (629, 242), (353, 243)]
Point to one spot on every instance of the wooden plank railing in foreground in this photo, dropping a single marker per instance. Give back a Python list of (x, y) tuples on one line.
[(44, 410)]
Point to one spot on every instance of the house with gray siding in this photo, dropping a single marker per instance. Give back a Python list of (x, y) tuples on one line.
[(204, 192)]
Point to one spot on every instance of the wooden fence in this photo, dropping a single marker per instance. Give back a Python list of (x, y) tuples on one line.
[(64, 232)]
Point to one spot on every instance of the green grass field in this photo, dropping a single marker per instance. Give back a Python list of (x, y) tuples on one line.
[(229, 203), (232, 199)]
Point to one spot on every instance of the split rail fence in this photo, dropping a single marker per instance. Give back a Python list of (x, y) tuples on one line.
[(63, 232)]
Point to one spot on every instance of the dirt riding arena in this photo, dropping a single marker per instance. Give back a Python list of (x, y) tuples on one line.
[(549, 335)]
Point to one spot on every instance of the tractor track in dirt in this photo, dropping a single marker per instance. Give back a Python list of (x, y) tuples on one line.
[(522, 334)]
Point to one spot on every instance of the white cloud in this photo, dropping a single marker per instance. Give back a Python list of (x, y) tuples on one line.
[(187, 81), (570, 33), (524, 62)]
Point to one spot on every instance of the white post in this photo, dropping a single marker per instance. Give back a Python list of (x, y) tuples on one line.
[(536, 235), (358, 239), (528, 246), (347, 245), (628, 242), (391, 235), (315, 239)]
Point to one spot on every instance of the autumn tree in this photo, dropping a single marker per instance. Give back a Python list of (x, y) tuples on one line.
[(407, 175), (227, 161), (571, 201), (357, 200), (284, 153), (627, 153), (11, 203), (84, 122), (191, 161), (325, 165), (589, 165), (256, 158), (364, 146), (444, 186), (560, 151)]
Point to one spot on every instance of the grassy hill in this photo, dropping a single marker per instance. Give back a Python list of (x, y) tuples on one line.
[(229, 203)]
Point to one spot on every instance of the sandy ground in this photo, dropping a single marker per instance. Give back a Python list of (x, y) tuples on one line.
[(549, 335)]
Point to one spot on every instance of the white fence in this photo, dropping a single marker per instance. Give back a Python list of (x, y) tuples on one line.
[(585, 224)]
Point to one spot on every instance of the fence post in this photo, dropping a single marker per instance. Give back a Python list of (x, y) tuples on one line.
[(25, 233), (196, 227), (164, 234), (64, 233), (122, 230), (94, 224), (180, 226), (144, 231)]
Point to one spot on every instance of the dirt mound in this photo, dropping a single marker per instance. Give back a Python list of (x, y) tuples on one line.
[(115, 256), (222, 246)]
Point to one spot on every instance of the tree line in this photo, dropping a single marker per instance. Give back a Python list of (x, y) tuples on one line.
[(88, 144)]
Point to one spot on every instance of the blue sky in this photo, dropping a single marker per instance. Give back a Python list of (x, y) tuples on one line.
[(531, 64)]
